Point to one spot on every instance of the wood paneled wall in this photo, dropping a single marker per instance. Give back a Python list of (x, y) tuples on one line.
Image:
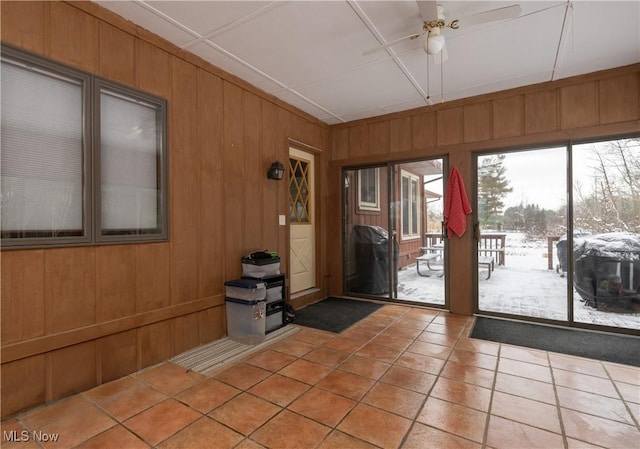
[(73, 318), (598, 105)]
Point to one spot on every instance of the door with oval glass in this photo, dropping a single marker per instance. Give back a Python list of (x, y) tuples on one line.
[(301, 221)]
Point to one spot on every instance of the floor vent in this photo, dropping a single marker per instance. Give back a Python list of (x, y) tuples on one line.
[(215, 355)]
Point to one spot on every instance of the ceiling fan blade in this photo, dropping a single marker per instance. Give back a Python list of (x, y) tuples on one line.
[(428, 9), (507, 12), (389, 44)]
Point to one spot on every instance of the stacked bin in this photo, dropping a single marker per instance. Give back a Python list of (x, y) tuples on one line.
[(264, 266), (246, 310)]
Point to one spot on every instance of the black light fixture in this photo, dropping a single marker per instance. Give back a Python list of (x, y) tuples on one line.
[(276, 171)]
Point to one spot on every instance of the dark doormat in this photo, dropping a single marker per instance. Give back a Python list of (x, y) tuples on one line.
[(594, 345), (334, 314)]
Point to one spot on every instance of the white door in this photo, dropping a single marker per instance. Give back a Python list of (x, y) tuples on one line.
[(302, 221)]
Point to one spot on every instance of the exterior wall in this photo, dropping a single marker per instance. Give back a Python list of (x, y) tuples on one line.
[(73, 318), (598, 105)]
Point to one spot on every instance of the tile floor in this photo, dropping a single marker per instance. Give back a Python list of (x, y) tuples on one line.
[(403, 377)]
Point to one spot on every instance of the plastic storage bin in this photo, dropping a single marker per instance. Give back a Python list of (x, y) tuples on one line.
[(246, 320), (247, 289), (260, 267)]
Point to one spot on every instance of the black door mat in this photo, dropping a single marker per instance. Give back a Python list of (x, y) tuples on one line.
[(594, 345), (334, 314)]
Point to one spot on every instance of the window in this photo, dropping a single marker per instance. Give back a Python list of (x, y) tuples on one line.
[(83, 160), (369, 189), (410, 205)]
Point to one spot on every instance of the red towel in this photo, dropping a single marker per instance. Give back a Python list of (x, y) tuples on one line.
[(456, 204)]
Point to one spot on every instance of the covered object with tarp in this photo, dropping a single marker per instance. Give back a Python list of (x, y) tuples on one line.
[(371, 251), (607, 267)]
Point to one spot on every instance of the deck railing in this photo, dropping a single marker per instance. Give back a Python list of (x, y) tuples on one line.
[(489, 245)]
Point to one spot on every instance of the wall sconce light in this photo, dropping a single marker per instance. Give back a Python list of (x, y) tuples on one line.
[(276, 171)]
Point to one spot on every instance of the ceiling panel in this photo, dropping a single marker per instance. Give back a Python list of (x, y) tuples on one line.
[(309, 53)]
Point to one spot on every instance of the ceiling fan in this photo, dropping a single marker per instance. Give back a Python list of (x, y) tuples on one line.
[(434, 22)]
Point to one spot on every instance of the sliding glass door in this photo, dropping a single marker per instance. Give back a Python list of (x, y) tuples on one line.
[(521, 201), (393, 247), (606, 231), (558, 234)]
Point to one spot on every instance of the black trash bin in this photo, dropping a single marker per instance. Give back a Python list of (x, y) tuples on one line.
[(371, 250)]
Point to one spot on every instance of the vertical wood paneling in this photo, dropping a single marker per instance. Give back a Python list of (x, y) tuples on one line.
[(379, 137), (211, 324), (154, 344), (22, 24), (234, 183), (153, 280), (69, 275), (579, 105), (71, 370), (619, 100), (185, 183), (115, 282), (117, 355), (73, 37), (22, 295), (210, 105), (358, 140), (302, 130), (221, 138), (449, 126), (340, 144), (253, 220), (269, 205), (541, 112), (423, 128), (185, 333), (400, 134), (116, 55), (153, 70), (283, 131), (508, 117), (477, 122), (23, 384)]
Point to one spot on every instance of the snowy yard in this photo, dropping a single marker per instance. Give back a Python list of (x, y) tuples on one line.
[(523, 286)]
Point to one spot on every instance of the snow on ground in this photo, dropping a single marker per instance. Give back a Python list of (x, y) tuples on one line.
[(523, 286)]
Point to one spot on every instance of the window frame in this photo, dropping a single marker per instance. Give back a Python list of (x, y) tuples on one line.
[(91, 86), (161, 164), (412, 203), (367, 205)]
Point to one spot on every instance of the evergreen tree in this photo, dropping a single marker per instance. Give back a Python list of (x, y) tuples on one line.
[(493, 186)]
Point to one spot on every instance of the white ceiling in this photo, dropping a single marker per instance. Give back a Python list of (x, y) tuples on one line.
[(309, 53)]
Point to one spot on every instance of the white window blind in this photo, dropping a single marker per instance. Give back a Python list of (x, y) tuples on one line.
[(129, 147), (42, 154)]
